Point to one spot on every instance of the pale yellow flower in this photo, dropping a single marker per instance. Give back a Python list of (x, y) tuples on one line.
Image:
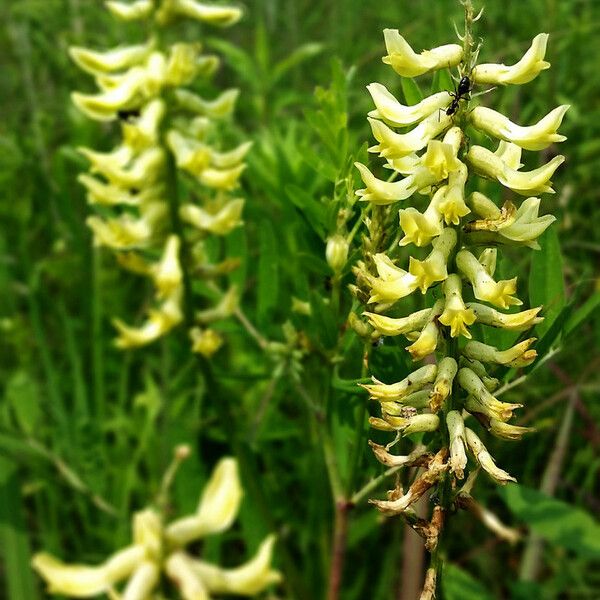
[(220, 219), (524, 71), (407, 63), (116, 59), (396, 391), (205, 341), (391, 326), (485, 459), (513, 321), (393, 282), (139, 9), (456, 315), (435, 267), (456, 431), (520, 355), (219, 108)]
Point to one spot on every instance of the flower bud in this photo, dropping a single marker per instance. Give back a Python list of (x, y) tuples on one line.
[(456, 430), (416, 381), (442, 386), (336, 252), (392, 284), (390, 326), (427, 341), (456, 315), (514, 321), (518, 356)]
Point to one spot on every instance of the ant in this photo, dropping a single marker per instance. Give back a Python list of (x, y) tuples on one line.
[(128, 115), (462, 92)]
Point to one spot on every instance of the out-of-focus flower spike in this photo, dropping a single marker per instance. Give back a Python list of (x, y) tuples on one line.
[(486, 163), (417, 380), (520, 321), (142, 581), (402, 58), (167, 274), (139, 9), (225, 160), (484, 286), (435, 267), (121, 233), (534, 137), (143, 132), (122, 57), (222, 179), (520, 355), (391, 326), (456, 315), (524, 71), (226, 306), (223, 16), (398, 115), (485, 459), (442, 386), (456, 431)]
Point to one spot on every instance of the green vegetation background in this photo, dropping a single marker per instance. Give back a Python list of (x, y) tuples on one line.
[(82, 424)]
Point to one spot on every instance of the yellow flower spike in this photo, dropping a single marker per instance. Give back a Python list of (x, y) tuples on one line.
[(223, 16), (427, 341), (142, 132), (122, 233), (81, 581), (442, 386), (390, 326), (221, 222), (122, 57), (393, 392), (520, 355), (456, 431), (217, 509), (222, 106), (381, 192), (456, 315), (167, 274), (398, 145), (524, 71), (486, 163), (407, 63), (190, 155), (420, 228), (248, 579), (520, 321), (391, 111), (434, 267), (451, 205), (205, 341), (179, 569), (506, 431), (139, 9), (392, 284), (485, 459), (484, 286), (534, 137)]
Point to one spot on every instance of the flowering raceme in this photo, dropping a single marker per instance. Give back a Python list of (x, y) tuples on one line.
[(427, 148), (164, 126), (158, 549)]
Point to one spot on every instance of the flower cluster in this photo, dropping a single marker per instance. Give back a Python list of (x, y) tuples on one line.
[(428, 151), (159, 548), (165, 126)]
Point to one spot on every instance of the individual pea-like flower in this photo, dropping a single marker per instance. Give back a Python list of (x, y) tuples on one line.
[(142, 221), (158, 549), (402, 58), (456, 315), (486, 163), (528, 68), (427, 149)]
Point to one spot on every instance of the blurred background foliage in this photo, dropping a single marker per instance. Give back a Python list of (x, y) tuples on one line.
[(86, 431)]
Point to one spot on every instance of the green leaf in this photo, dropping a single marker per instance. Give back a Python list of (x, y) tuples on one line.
[(268, 274), (554, 520), (410, 89), (546, 284), (14, 542), (298, 56), (459, 585), (583, 313), (23, 395)]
